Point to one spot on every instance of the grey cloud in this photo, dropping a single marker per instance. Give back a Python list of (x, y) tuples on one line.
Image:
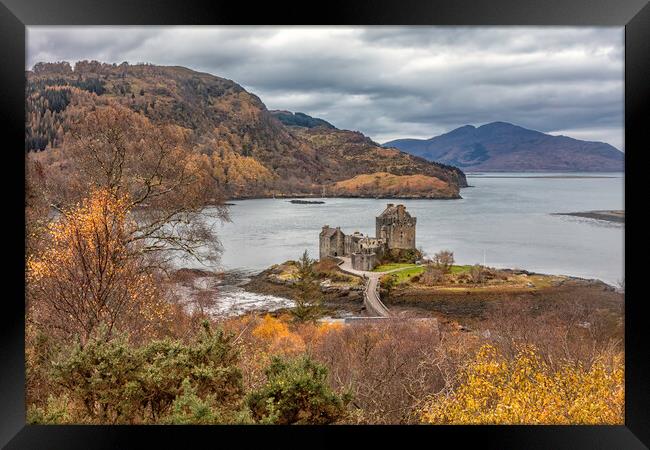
[(388, 82)]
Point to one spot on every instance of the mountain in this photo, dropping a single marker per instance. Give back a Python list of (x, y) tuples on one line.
[(253, 152), (346, 154), (501, 146)]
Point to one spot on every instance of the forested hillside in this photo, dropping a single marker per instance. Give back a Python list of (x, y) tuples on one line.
[(253, 152)]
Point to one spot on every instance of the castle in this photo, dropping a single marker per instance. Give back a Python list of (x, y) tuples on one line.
[(395, 229)]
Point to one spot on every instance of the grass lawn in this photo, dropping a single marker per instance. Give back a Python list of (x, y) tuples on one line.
[(411, 270), (393, 266), (404, 275), (460, 269)]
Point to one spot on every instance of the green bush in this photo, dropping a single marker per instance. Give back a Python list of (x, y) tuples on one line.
[(397, 255), (166, 380), (296, 392), (189, 408)]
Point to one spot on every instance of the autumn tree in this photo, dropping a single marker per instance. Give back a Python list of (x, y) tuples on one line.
[(308, 297), (275, 334), (493, 389), (443, 260), (91, 272), (168, 185)]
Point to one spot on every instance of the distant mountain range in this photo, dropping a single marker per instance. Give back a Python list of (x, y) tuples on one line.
[(501, 146)]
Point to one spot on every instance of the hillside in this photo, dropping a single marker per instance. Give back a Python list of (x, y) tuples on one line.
[(501, 146), (345, 152), (382, 184), (253, 152)]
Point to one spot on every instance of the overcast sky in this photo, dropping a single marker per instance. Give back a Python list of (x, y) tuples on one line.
[(388, 82)]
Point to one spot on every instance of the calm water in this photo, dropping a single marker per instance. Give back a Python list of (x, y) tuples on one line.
[(503, 219)]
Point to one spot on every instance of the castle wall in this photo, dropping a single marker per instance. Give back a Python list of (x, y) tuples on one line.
[(364, 261), (397, 228), (323, 247), (331, 243), (338, 244), (351, 243)]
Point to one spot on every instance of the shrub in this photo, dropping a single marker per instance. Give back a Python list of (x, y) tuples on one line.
[(56, 412), (388, 284), (100, 378), (276, 334), (397, 255), (443, 260), (296, 392), (114, 382), (477, 274), (432, 275), (189, 408)]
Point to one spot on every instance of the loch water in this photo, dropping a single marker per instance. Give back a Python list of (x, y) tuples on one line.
[(503, 219)]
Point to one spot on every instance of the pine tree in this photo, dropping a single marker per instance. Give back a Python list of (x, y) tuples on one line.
[(308, 299)]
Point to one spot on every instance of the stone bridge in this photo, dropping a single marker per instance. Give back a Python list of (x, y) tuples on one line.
[(371, 299)]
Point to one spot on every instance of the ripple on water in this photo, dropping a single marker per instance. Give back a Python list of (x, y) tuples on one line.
[(234, 300)]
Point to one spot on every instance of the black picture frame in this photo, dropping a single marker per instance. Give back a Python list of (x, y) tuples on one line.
[(15, 15)]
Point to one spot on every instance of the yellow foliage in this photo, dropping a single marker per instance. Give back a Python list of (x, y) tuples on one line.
[(270, 328), (89, 273), (277, 335), (495, 390), (237, 173), (390, 183), (325, 328)]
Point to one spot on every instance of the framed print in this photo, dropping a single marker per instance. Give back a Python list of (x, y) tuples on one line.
[(383, 216)]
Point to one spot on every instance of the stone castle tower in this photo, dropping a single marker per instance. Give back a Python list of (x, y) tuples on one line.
[(395, 230), (396, 226)]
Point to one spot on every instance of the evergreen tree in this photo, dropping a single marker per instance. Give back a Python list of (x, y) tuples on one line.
[(309, 297)]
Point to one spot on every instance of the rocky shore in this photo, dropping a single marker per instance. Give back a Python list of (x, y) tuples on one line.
[(342, 296), (458, 301)]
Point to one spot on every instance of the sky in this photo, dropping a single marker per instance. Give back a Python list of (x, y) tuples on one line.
[(388, 82)]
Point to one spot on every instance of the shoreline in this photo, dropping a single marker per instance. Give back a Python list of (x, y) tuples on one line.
[(569, 177), (310, 196), (465, 303), (344, 299), (267, 282)]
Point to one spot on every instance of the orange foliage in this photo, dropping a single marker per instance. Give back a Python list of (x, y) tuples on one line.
[(89, 274), (276, 334), (387, 183)]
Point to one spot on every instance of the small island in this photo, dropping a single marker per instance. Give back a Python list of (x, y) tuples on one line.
[(307, 202), (386, 276), (606, 215)]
